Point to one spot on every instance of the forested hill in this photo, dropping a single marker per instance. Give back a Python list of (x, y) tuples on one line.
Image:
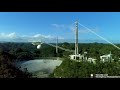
[(72, 69), (27, 51), (7, 68), (11, 52)]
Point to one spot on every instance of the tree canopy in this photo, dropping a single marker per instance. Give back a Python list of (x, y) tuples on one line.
[(12, 52)]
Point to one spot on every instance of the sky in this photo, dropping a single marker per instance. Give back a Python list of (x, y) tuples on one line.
[(35, 26)]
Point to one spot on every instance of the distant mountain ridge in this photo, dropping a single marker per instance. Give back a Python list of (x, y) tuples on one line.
[(61, 41)]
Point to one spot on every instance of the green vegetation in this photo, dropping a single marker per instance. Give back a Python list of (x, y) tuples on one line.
[(72, 69), (12, 52), (7, 68)]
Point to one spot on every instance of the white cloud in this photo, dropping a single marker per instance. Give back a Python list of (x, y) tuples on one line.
[(71, 29), (40, 37), (7, 36), (37, 35), (13, 37), (58, 26), (43, 36)]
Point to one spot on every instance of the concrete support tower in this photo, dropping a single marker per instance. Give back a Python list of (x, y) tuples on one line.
[(57, 46), (76, 40)]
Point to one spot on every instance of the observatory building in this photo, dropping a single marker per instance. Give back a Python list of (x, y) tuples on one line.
[(105, 58)]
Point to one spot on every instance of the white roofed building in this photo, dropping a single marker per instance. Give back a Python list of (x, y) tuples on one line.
[(77, 57), (105, 58)]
